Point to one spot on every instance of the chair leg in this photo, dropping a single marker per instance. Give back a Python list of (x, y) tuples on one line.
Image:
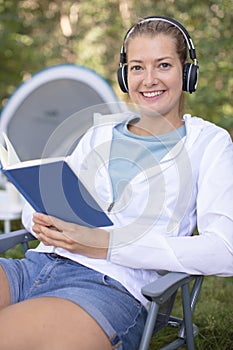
[(188, 323), (149, 326), (196, 291), (194, 297)]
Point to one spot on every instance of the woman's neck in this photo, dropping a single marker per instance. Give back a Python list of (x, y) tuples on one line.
[(153, 126)]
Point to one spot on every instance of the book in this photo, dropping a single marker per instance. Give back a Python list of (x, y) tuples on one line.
[(51, 186)]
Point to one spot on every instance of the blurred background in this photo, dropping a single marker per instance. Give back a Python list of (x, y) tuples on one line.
[(35, 34)]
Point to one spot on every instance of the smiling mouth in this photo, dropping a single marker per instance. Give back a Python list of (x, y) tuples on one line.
[(152, 93)]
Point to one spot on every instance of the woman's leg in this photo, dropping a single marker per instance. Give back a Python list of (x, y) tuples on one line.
[(50, 323), (5, 298)]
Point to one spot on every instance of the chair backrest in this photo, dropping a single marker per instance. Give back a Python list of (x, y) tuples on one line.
[(45, 100)]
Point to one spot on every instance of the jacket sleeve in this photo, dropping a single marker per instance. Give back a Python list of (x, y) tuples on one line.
[(27, 215), (211, 251)]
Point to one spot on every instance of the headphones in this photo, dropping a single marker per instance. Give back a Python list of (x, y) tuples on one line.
[(190, 70)]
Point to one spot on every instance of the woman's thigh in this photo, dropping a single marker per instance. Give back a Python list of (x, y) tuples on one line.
[(50, 323), (106, 301), (5, 298)]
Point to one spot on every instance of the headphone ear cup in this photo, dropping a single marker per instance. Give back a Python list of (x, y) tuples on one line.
[(190, 77), (122, 78)]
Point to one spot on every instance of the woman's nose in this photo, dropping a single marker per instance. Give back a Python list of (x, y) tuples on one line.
[(150, 78)]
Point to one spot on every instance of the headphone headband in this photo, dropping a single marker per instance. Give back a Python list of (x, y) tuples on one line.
[(182, 29)]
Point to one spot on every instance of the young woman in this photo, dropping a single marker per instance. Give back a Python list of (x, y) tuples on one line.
[(158, 174)]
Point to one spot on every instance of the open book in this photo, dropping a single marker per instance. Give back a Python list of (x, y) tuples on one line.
[(52, 187)]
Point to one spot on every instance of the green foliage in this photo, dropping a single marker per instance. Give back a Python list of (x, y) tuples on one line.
[(35, 34)]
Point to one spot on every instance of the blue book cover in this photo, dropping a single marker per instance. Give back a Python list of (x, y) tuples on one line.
[(51, 187)]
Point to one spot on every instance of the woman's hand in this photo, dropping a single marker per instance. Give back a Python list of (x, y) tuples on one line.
[(91, 242)]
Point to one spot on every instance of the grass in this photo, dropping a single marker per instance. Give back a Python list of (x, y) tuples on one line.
[(213, 314)]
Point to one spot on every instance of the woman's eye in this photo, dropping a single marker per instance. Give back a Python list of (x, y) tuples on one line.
[(165, 65), (136, 68)]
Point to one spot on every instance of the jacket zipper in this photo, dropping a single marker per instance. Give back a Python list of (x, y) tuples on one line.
[(111, 206)]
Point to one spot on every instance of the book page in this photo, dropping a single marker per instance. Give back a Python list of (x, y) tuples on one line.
[(34, 162), (12, 156), (3, 156)]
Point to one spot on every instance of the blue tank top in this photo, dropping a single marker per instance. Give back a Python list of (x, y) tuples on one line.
[(131, 154)]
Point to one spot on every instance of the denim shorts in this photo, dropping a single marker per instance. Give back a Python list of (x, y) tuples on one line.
[(120, 315)]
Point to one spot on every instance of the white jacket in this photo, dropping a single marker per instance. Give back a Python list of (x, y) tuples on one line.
[(160, 208)]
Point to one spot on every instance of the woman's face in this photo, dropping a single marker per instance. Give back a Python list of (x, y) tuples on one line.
[(155, 75)]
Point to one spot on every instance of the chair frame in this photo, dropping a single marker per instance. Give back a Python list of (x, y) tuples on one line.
[(157, 292)]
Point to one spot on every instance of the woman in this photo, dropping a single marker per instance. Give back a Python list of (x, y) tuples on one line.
[(158, 173)]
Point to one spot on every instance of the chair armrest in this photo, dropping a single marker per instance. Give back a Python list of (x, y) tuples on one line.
[(165, 286), (9, 240)]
